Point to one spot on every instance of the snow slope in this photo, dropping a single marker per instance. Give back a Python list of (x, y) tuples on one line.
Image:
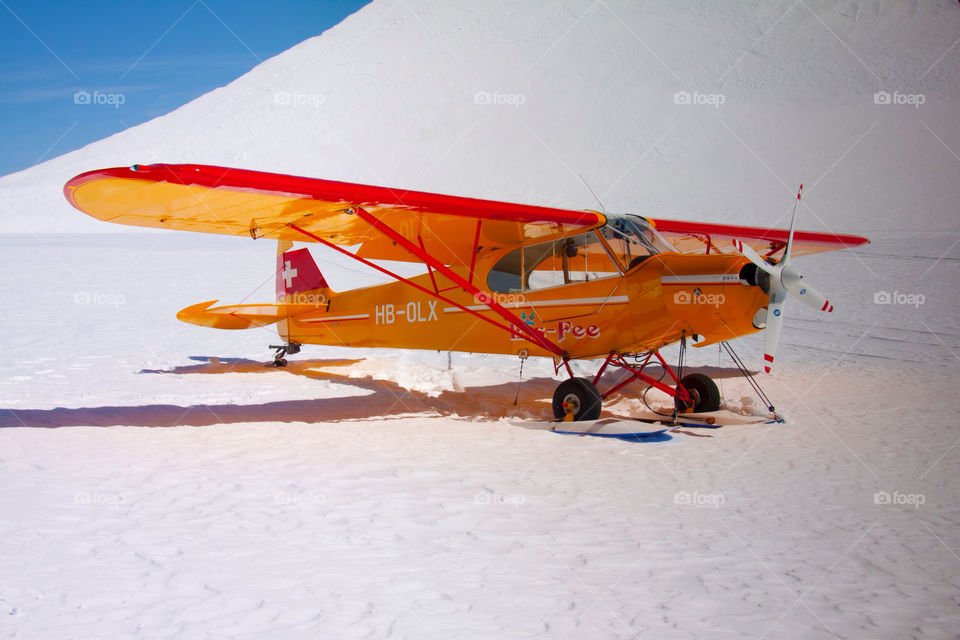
[(390, 97), (189, 491)]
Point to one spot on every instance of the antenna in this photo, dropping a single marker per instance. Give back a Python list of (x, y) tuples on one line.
[(596, 197)]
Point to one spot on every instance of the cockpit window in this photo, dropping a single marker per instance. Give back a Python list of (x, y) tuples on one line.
[(632, 239), (578, 258), (581, 258)]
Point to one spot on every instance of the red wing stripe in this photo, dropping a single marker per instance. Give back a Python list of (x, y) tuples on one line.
[(768, 357), (246, 180), (684, 227)]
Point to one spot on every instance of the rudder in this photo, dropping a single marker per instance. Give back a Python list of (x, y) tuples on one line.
[(299, 280)]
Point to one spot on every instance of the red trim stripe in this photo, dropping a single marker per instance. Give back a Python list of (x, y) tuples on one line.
[(229, 179), (827, 239)]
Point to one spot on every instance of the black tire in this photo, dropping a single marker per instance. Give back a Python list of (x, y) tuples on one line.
[(282, 362), (705, 394), (583, 394)]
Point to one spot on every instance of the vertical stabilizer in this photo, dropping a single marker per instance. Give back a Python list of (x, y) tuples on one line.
[(299, 281)]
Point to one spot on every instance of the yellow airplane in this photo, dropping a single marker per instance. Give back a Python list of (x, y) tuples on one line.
[(500, 278)]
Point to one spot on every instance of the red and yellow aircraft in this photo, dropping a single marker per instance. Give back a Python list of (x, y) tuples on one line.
[(500, 278)]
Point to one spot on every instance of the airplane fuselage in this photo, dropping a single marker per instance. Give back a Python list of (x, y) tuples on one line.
[(653, 304)]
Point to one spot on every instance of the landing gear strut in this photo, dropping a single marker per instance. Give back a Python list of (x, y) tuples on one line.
[(579, 398), (283, 349)]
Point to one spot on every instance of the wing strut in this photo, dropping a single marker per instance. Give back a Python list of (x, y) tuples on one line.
[(532, 335), (518, 326)]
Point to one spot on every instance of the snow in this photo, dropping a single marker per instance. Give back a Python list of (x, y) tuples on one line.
[(157, 480)]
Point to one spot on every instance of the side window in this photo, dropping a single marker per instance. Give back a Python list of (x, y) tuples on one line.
[(552, 264), (507, 275)]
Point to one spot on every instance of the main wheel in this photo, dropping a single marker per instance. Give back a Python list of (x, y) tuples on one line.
[(580, 393), (706, 395)]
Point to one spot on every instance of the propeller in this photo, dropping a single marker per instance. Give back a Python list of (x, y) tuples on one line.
[(784, 280)]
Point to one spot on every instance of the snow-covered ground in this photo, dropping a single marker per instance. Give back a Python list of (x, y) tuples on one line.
[(158, 481), (393, 494)]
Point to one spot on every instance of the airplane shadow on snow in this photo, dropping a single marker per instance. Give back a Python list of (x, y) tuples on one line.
[(383, 400)]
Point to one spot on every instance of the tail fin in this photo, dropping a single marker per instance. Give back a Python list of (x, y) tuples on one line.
[(299, 281), (301, 288)]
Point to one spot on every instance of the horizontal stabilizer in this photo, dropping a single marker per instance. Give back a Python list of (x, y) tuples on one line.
[(242, 316)]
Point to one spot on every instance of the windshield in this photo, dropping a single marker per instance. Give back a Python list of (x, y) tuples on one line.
[(580, 258), (632, 239)]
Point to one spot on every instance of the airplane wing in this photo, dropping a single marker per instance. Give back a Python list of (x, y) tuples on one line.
[(703, 237), (442, 232), (267, 205)]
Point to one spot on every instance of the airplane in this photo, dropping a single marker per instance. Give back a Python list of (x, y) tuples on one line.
[(500, 278)]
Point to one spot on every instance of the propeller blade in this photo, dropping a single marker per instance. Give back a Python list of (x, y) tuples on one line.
[(784, 279), (771, 335), (755, 258), (793, 220), (792, 281)]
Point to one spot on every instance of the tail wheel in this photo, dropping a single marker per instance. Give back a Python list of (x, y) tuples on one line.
[(581, 396), (706, 395)]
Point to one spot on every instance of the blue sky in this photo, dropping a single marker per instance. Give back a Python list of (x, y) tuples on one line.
[(156, 55)]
